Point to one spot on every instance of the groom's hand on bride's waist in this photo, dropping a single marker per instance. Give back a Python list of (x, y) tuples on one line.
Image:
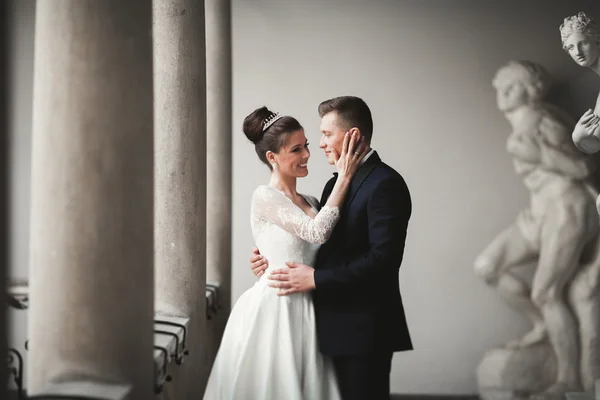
[(297, 278)]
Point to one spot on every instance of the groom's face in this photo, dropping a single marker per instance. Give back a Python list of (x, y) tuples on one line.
[(332, 136)]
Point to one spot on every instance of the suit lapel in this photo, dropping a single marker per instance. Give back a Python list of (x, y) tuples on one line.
[(327, 190), (357, 181), (360, 177)]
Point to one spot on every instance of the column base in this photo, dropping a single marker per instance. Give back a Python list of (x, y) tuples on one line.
[(83, 390)]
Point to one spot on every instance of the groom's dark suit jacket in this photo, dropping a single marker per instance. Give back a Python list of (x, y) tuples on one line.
[(357, 298)]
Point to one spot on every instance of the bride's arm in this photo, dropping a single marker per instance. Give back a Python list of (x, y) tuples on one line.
[(272, 206), (347, 164)]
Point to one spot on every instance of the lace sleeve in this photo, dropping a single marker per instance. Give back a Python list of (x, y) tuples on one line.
[(273, 206)]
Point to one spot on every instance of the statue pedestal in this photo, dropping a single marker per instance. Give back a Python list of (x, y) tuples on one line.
[(516, 374)]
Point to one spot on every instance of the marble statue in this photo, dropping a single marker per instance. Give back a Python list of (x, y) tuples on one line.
[(581, 39), (558, 233)]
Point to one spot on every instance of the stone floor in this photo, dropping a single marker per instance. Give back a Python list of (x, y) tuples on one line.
[(432, 397), (13, 396)]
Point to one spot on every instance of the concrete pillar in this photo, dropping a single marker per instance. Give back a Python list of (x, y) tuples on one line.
[(180, 179), (91, 254), (219, 159)]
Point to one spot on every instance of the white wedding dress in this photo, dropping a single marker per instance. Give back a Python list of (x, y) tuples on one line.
[(269, 348)]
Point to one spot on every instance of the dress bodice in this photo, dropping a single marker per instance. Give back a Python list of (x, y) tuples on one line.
[(283, 232)]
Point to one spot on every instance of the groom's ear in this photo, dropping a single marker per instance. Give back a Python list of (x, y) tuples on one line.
[(355, 130)]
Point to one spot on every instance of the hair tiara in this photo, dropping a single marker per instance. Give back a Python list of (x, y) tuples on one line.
[(271, 120)]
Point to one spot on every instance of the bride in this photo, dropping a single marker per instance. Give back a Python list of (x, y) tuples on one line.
[(269, 347)]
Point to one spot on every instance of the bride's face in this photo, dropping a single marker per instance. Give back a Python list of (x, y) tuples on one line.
[(293, 156)]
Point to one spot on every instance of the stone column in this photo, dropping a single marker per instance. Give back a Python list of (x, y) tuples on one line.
[(4, 173), (180, 176), (219, 160), (91, 254)]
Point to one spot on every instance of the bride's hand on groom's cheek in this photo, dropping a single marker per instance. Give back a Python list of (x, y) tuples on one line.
[(258, 263)]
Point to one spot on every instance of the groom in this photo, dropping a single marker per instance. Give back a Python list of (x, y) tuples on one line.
[(359, 314)]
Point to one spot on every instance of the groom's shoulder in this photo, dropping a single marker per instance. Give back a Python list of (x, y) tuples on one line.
[(385, 171), (387, 175)]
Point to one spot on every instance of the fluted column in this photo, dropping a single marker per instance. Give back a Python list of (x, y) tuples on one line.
[(180, 176), (219, 160), (91, 275)]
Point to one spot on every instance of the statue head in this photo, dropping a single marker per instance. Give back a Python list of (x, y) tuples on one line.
[(581, 39), (519, 83)]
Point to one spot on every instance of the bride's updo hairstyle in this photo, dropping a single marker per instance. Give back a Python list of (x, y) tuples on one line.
[(268, 131)]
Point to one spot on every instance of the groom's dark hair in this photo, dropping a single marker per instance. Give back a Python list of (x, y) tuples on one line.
[(352, 112)]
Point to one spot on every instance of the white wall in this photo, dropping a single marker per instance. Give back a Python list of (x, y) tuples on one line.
[(425, 69)]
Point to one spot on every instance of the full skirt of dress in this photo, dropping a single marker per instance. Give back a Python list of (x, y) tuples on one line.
[(269, 351)]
